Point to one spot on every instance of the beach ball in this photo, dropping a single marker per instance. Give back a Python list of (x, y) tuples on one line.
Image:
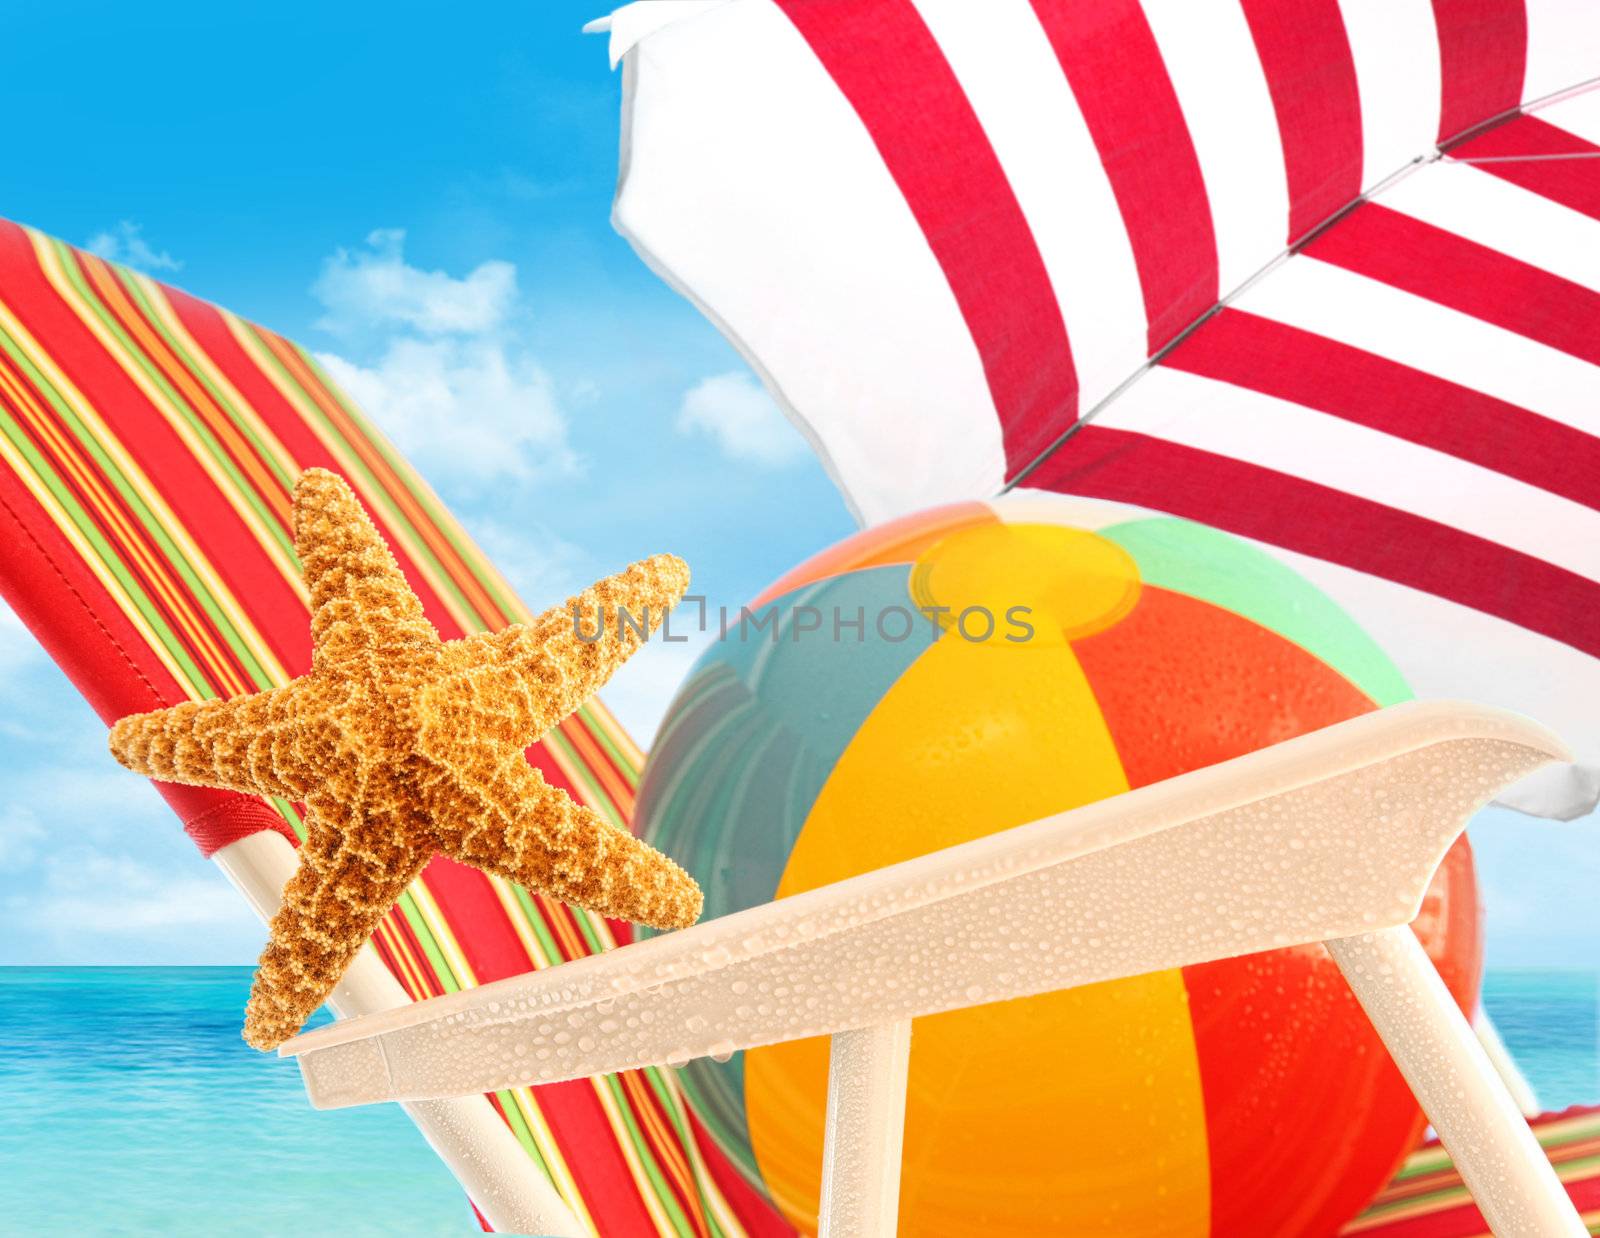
[(979, 666)]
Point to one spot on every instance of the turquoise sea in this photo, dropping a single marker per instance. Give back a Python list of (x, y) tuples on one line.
[(129, 1105)]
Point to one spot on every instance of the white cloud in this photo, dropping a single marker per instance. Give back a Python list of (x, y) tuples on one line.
[(470, 410), (376, 287), (85, 892), (126, 244), (639, 693), (20, 835), (100, 798), (541, 566), (740, 415), (28, 683), (438, 364), (19, 651), (1537, 879)]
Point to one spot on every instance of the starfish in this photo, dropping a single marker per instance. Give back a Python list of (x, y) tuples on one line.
[(402, 746)]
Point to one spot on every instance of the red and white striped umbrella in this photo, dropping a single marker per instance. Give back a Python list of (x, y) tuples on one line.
[(1323, 273)]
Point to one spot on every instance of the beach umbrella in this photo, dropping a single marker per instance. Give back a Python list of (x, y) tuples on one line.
[(1324, 274), (149, 442)]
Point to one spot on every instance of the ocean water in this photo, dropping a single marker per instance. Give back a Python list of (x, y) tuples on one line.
[(129, 1105), (1550, 1020)]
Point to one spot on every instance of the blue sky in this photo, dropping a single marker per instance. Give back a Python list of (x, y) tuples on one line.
[(422, 197)]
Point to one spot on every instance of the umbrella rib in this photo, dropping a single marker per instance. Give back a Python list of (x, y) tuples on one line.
[(1437, 154)]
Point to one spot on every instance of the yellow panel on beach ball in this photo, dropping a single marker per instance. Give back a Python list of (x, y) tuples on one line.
[(948, 765)]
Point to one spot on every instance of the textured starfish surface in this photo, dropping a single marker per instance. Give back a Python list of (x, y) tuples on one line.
[(402, 745)]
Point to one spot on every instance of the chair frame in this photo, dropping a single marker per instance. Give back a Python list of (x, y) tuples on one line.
[(1366, 810)]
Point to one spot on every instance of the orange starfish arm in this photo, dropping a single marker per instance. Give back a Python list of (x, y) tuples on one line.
[(331, 906), (561, 848), (536, 674), (212, 743), (394, 732), (360, 600)]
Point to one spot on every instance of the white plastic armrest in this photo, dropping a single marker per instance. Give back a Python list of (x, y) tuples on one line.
[(1331, 835)]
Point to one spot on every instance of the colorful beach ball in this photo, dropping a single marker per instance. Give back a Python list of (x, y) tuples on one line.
[(980, 666)]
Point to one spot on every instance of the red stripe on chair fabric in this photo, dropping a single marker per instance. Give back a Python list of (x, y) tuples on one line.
[(888, 65), (1298, 515), (162, 455), (1311, 76), (1450, 270), (1483, 47), (577, 1121), (1574, 183), (429, 979), (1433, 1202), (1292, 364), (494, 951), (206, 324), (759, 1219), (1114, 67), (491, 945), (86, 634), (236, 817), (1464, 1220)]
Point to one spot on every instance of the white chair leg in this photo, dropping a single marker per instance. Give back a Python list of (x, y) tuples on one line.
[(508, 1187), (1505, 1065), (1452, 1078), (866, 1122)]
